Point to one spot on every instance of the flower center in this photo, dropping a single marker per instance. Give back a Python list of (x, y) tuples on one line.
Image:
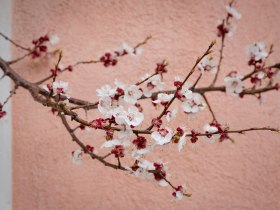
[(235, 84)]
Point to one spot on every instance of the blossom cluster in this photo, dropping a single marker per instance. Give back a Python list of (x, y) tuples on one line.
[(119, 106), (257, 54), (59, 88), (121, 115), (111, 58), (42, 44), (225, 27)]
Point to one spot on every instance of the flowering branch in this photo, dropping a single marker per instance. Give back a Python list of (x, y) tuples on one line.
[(70, 67), (86, 150), (120, 109), (207, 52)]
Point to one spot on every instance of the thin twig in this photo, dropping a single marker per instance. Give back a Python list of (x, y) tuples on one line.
[(209, 107), (171, 185), (12, 92), (196, 82), (220, 61), (14, 43), (19, 59), (119, 162), (105, 156)]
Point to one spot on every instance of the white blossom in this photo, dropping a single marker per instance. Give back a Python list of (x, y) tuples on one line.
[(147, 93), (137, 52), (111, 143), (119, 114), (193, 105), (185, 91), (157, 82), (77, 156), (163, 183), (257, 52), (105, 106), (153, 82), (179, 193), (127, 48), (60, 88), (261, 74), (211, 129), (120, 84), (140, 152), (171, 114), (134, 117), (162, 136), (177, 78), (125, 134), (132, 94), (145, 164), (233, 12), (54, 40), (145, 76), (106, 90), (182, 141), (163, 98), (276, 75), (207, 64), (234, 84)]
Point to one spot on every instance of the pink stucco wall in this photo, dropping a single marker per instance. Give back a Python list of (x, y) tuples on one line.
[(243, 175)]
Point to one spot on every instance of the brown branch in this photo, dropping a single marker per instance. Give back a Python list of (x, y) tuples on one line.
[(8, 71), (45, 98), (56, 66), (85, 106), (142, 43)]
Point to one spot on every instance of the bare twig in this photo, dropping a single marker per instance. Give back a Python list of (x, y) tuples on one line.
[(209, 107), (196, 82), (220, 61), (12, 92), (14, 43)]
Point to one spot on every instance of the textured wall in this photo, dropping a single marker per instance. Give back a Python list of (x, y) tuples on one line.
[(243, 175)]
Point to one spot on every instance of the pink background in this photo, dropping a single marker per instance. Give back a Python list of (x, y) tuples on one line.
[(243, 175)]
